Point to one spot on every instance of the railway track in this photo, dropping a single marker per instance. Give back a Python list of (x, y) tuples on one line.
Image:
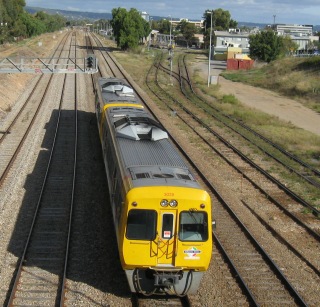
[(41, 274), (110, 67), (145, 301), (89, 256), (236, 250), (16, 132), (258, 275), (250, 265), (226, 150), (286, 289), (286, 159)]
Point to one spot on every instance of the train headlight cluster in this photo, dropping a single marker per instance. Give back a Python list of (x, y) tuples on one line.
[(164, 203), (172, 203)]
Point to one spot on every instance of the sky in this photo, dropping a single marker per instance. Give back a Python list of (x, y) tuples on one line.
[(303, 12)]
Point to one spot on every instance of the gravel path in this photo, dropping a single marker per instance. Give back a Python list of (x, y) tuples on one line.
[(266, 101)]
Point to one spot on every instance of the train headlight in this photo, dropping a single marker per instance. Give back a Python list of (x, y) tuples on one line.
[(173, 203), (164, 203)]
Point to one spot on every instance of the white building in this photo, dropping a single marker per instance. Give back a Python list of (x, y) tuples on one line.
[(302, 35), (293, 28), (198, 24), (145, 16), (231, 38)]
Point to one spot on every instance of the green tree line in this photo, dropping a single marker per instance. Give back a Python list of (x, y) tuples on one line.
[(130, 29), (17, 24)]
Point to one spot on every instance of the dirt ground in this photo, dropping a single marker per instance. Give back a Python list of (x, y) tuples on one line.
[(13, 85), (267, 101)]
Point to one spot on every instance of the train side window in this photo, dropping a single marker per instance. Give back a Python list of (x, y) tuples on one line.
[(110, 162), (98, 107), (114, 181), (141, 225), (105, 136), (193, 226)]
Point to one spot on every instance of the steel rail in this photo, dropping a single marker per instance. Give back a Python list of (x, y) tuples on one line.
[(259, 135), (282, 186), (23, 261), (17, 150), (267, 258)]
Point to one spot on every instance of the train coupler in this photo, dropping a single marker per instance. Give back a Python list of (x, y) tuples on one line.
[(166, 279)]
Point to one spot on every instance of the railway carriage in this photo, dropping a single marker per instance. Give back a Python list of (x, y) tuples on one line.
[(161, 214)]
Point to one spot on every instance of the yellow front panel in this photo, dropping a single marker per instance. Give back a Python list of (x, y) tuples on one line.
[(139, 254), (196, 255), (166, 249)]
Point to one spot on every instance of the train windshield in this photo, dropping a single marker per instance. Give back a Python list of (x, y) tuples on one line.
[(141, 225), (193, 226)]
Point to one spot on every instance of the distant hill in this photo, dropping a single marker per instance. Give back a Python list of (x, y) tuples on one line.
[(251, 24), (70, 15), (263, 25), (76, 15)]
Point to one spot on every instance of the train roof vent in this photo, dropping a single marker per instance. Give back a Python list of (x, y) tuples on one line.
[(163, 175), (142, 175), (183, 176), (139, 128), (118, 88)]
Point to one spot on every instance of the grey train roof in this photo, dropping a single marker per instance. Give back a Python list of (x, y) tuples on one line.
[(114, 90), (147, 153)]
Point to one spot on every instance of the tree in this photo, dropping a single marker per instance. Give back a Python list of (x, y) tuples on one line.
[(163, 26), (188, 30), (221, 21), (118, 15), (129, 28), (52, 22), (288, 46), (266, 46), (33, 25), (18, 24), (10, 11), (317, 43)]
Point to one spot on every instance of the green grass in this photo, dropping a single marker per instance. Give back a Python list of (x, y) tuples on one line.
[(230, 99)]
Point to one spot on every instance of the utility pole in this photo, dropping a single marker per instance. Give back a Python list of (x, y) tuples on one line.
[(209, 61), (150, 24), (170, 29), (170, 48)]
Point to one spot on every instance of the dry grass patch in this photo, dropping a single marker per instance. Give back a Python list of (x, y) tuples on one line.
[(297, 78)]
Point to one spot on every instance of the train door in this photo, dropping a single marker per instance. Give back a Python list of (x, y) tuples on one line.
[(166, 237)]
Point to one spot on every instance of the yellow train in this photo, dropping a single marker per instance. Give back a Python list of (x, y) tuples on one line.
[(162, 216)]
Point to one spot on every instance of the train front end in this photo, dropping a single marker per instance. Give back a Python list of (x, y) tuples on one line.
[(167, 239)]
